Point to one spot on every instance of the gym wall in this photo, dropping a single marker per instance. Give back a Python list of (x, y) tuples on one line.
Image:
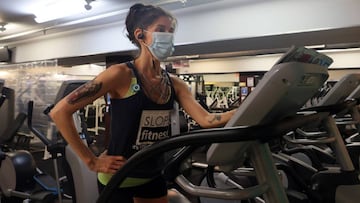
[(345, 60)]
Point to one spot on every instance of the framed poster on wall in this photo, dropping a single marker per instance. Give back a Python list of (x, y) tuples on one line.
[(250, 81)]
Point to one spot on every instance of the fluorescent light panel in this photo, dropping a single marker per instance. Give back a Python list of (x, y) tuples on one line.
[(97, 17), (51, 10)]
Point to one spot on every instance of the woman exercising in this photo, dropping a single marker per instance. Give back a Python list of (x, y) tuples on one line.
[(142, 95)]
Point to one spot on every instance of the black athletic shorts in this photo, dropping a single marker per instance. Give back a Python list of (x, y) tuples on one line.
[(154, 189)]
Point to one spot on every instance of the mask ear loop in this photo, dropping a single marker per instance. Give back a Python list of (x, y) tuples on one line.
[(143, 37)]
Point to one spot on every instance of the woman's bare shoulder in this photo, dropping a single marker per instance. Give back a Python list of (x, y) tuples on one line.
[(116, 79), (115, 72), (118, 69)]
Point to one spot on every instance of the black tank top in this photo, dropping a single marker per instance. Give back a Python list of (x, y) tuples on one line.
[(137, 122)]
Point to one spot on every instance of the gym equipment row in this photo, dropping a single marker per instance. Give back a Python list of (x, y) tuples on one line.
[(21, 180), (19, 176)]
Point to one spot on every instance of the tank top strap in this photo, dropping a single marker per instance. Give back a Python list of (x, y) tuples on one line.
[(170, 83), (131, 65)]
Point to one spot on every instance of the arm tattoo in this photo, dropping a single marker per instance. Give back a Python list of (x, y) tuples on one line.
[(87, 90), (217, 117)]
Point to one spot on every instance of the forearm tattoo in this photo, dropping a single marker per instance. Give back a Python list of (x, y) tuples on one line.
[(87, 90), (217, 117)]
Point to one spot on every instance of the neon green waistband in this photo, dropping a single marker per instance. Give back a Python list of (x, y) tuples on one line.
[(104, 178)]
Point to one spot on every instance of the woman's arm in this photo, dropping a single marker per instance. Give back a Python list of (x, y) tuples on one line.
[(62, 113), (195, 110)]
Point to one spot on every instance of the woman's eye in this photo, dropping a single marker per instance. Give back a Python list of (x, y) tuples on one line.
[(169, 31)]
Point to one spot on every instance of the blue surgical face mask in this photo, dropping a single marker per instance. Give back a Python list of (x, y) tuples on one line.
[(162, 45)]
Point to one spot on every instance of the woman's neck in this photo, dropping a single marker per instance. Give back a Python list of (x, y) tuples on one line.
[(148, 67)]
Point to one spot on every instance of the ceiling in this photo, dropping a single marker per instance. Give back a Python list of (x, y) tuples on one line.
[(19, 20), (20, 25)]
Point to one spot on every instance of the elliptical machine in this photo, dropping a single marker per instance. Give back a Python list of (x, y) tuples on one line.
[(17, 182)]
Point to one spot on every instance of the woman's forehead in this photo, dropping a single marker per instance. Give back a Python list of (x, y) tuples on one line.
[(164, 22)]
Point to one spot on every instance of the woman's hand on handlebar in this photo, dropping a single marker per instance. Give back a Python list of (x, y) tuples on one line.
[(107, 163)]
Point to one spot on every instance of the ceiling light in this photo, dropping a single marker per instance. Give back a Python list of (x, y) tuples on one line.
[(87, 5), (55, 9), (20, 34), (2, 27), (172, 1), (318, 46), (92, 18)]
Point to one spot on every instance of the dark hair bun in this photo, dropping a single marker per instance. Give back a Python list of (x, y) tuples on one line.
[(136, 7)]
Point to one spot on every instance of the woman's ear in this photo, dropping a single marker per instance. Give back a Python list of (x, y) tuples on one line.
[(138, 33)]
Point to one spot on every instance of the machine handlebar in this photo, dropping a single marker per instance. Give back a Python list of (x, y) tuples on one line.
[(38, 134)]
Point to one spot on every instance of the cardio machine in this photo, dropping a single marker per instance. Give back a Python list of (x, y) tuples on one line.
[(341, 101), (291, 82), (337, 97), (334, 179), (18, 169)]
